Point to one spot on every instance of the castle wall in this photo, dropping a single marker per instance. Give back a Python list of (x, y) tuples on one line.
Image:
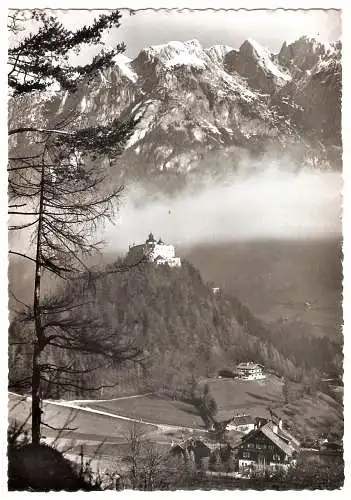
[(173, 262), (164, 251)]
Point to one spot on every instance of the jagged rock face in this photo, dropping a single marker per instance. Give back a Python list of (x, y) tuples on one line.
[(204, 109), (314, 94), (305, 53), (256, 64), (217, 53)]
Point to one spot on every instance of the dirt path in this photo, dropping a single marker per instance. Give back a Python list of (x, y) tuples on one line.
[(161, 427), (121, 398)]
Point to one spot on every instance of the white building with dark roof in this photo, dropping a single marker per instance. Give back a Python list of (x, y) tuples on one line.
[(241, 423), (250, 371)]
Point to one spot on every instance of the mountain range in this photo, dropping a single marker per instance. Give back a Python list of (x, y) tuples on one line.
[(206, 110)]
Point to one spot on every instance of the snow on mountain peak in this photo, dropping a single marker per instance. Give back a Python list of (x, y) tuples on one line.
[(317, 41), (185, 59), (194, 44), (309, 54), (217, 53), (264, 60), (122, 58), (177, 53), (123, 63)]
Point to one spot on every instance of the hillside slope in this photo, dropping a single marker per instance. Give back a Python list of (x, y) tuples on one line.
[(183, 328)]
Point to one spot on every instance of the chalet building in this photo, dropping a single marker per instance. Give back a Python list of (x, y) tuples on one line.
[(154, 251), (250, 371), (268, 445)]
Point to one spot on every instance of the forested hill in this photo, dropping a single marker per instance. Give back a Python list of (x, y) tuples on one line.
[(184, 329)]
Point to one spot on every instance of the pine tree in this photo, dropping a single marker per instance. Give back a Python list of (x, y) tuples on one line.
[(59, 184)]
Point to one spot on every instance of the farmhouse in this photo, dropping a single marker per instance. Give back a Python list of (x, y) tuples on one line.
[(241, 423), (268, 445), (154, 251), (250, 371)]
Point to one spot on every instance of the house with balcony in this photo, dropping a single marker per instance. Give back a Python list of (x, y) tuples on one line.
[(250, 371), (268, 445)]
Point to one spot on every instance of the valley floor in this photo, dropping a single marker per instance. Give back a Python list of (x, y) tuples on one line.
[(102, 427)]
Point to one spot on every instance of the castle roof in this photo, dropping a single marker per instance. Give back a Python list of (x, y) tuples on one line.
[(249, 364), (242, 420)]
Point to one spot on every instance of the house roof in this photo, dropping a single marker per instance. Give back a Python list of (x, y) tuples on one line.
[(283, 432), (276, 439), (250, 365), (284, 440), (242, 420), (290, 437)]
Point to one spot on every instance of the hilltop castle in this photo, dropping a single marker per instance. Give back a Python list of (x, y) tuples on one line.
[(154, 251)]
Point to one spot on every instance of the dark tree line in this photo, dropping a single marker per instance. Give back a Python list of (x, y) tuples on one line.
[(303, 349), (164, 311)]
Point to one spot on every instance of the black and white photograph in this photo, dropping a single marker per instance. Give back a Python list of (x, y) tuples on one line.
[(175, 249)]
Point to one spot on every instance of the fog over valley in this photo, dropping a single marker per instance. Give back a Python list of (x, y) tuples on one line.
[(266, 224), (273, 204)]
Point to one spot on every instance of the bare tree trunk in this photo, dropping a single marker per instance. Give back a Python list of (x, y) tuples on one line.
[(36, 410), (39, 339)]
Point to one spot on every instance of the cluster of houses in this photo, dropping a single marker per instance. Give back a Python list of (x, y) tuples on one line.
[(265, 444)]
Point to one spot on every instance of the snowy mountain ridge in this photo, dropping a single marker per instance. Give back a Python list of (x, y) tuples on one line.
[(203, 109)]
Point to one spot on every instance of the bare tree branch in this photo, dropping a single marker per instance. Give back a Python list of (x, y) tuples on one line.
[(22, 130), (22, 255)]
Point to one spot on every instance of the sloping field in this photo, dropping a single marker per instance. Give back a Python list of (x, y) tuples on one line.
[(312, 416), (152, 408), (231, 396), (309, 415), (103, 439), (162, 420), (87, 426), (243, 396)]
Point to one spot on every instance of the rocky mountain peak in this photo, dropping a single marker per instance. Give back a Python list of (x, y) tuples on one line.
[(123, 63), (256, 64), (306, 52), (207, 107), (217, 53), (176, 53)]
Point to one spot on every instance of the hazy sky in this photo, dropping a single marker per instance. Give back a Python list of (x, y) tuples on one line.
[(269, 28)]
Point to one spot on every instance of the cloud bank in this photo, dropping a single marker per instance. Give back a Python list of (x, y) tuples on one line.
[(273, 204)]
